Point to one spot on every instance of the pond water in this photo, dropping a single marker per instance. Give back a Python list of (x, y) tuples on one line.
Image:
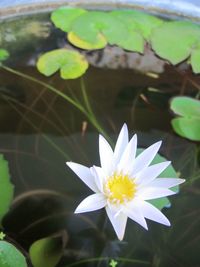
[(40, 131)]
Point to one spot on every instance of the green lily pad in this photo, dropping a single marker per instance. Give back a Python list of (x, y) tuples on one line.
[(187, 127), (185, 106), (63, 17), (175, 40), (3, 54), (47, 251), (169, 172), (189, 124), (76, 41), (89, 25), (195, 60), (6, 187), (70, 63), (139, 21), (10, 256)]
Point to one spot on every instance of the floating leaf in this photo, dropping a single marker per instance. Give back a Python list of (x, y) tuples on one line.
[(138, 21), (169, 172), (195, 60), (63, 17), (10, 256), (47, 251), (90, 25), (185, 106), (189, 124), (187, 127), (6, 187), (70, 63), (3, 54), (135, 41), (175, 40), (75, 40)]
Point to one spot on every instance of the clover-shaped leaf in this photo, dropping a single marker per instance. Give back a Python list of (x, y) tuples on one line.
[(175, 40), (63, 17), (70, 63), (188, 124), (90, 26), (3, 54), (169, 172), (10, 256)]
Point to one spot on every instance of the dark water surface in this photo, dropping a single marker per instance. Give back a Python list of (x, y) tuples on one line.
[(40, 131)]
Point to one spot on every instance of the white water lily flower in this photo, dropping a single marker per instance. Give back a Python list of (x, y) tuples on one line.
[(124, 183)]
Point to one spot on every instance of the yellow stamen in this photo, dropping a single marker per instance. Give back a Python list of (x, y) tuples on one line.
[(120, 188)]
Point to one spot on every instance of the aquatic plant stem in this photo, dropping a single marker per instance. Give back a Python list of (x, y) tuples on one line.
[(51, 88), (91, 113), (88, 114)]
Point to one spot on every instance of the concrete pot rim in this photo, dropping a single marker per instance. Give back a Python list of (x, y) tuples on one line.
[(188, 11)]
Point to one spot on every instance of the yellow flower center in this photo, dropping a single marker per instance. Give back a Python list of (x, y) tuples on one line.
[(120, 188)]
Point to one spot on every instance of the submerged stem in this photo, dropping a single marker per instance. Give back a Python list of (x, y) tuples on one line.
[(88, 113)]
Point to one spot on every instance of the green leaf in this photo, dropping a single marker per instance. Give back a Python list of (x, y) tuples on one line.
[(90, 25), (139, 21), (185, 106), (70, 63), (76, 41), (6, 187), (195, 60), (175, 40), (169, 172), (10, 256), (187, 127), (3, 54), (63, 17), (47, 251), (134, 41)]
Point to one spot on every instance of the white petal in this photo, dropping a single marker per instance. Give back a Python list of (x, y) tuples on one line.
[(121, 143), (91, 203), (99, 175), (150, 173), (128, 157), (148, 193), (152, 213), (166, 182), (145, 158), (84, 174), (118, 221), (134, 213), (106, 155)]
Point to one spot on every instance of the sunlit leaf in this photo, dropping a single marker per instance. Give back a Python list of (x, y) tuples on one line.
[(139, 21), (90, 25), (63, 17), (169, 172), (3, 54), (70, 63), (175, 40), (47, 251), (187, 127), (6, 187), (76, 41), (195, 60), (10, 256), (185, 106)]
